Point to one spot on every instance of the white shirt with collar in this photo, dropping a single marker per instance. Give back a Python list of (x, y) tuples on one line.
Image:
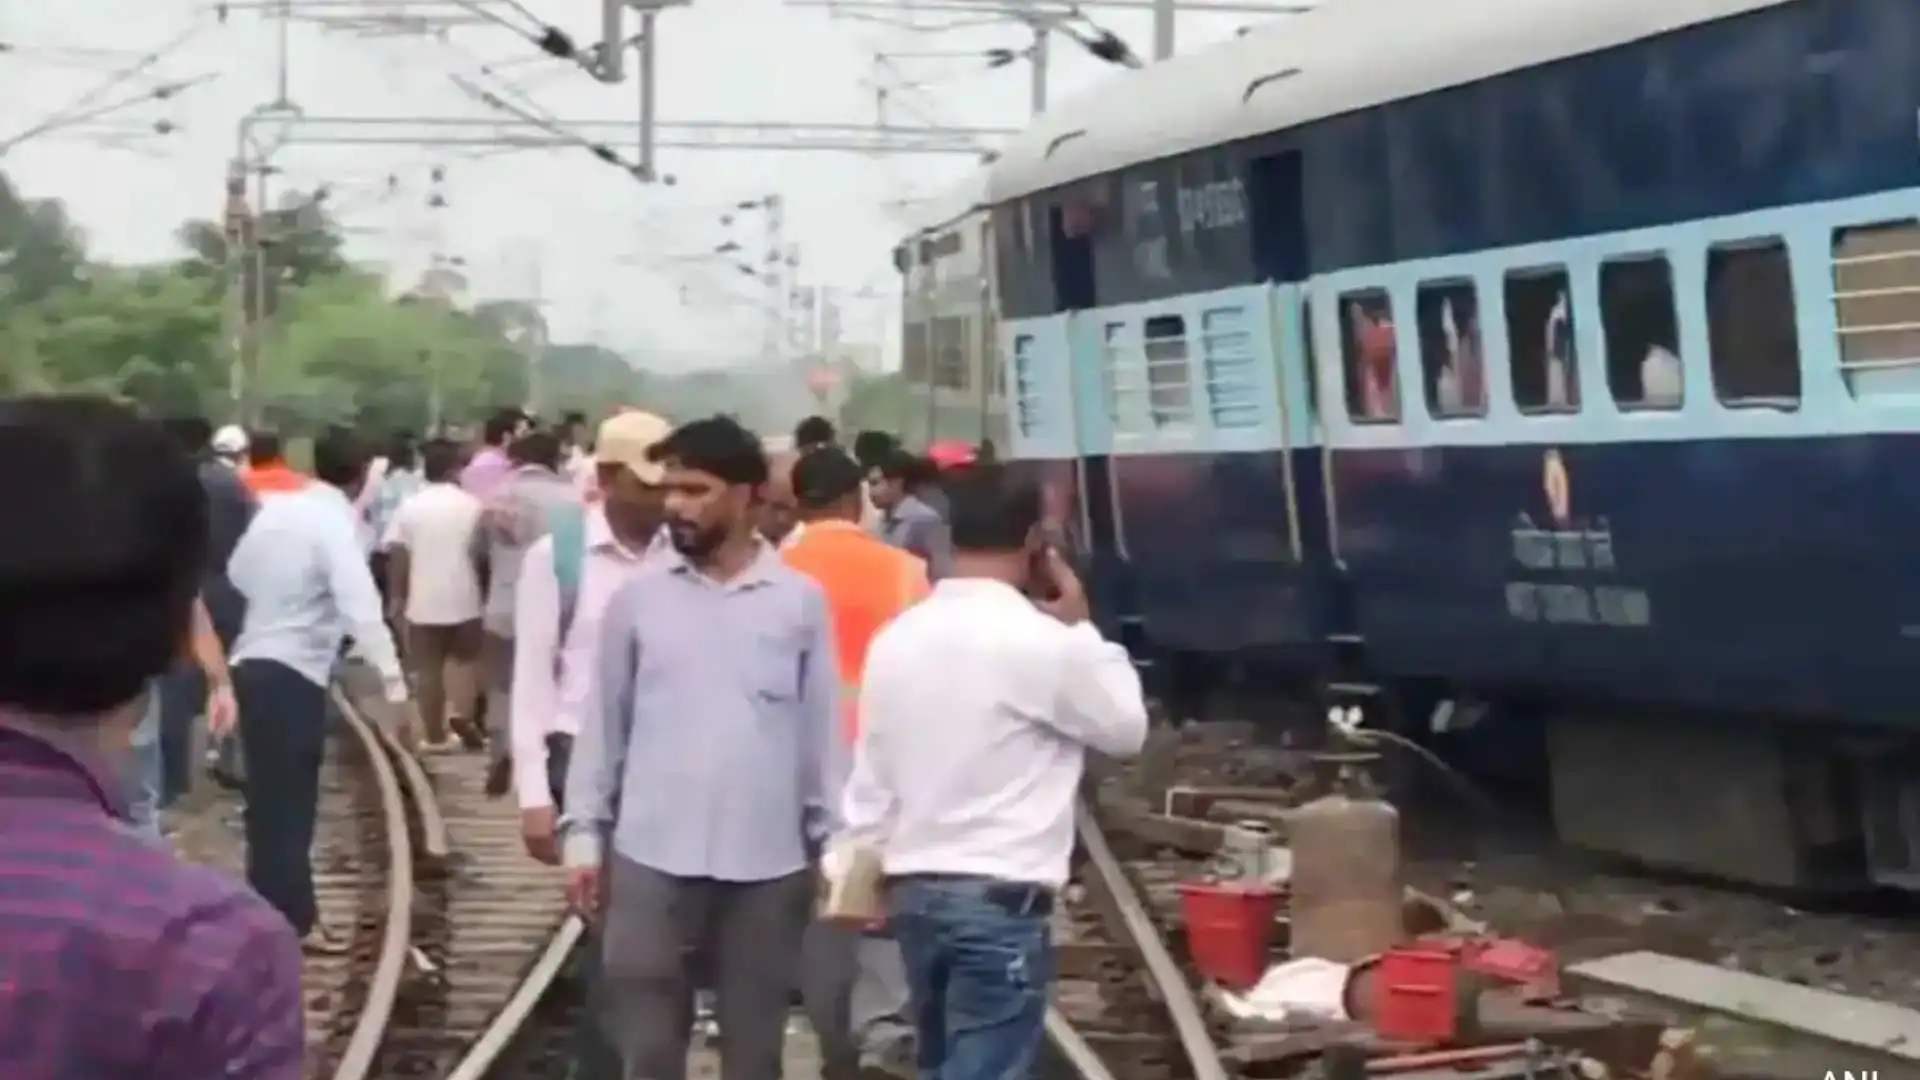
[(552, 675), (437, 526), (307, 584), (976, 713)]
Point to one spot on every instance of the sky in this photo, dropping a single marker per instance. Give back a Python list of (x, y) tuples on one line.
[(627, 265)]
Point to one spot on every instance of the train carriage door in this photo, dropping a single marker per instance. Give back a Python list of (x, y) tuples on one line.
[(1281, 254)]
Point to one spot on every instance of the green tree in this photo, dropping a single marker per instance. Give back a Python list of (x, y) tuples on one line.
[(335, 345), (41, 251)]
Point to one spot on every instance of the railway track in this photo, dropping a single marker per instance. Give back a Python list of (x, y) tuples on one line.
[(466, 978), (453, 931)]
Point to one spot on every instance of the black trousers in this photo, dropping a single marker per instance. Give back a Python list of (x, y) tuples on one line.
[(283, 738)]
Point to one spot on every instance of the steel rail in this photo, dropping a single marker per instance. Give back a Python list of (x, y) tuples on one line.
[(370, 1028), (1168, 981), (1075, 1048), (485, 1052), (413, 776)]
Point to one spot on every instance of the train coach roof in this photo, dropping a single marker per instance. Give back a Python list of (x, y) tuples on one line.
[(941, 211), (1341, 56)]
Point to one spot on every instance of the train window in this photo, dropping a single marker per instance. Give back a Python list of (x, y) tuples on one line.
[(1753, 337), (1370, 356), (949, 354), (1026, 387), (915, 350), (1230, 361), (1452, 365), (990, 353), (1876, 299), (1169, 376), (1124, 383), (1542, 358), (1642, 332)]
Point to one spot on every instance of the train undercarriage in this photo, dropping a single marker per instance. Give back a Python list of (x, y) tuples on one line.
[(1795, 808)]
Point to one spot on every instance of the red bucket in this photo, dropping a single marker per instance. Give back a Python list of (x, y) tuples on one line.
[(1229, 926)]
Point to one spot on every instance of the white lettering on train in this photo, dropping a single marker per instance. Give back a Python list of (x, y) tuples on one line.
[(1217, 204), (1581, 550)]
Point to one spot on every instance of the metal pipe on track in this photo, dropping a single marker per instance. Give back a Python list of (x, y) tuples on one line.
[(1169, 982), (370, 1028)]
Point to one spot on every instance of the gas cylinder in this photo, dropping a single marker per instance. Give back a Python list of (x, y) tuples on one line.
[(1345, 890)]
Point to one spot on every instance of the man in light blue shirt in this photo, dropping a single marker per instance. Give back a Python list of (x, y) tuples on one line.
[(307, 585), (707, 760)]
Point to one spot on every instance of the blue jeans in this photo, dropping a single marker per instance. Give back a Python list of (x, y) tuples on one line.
[(144, 767), (979, 959)]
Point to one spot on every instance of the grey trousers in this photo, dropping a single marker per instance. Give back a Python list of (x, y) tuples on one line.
[(653, 925), (855, 990), (496, 683)]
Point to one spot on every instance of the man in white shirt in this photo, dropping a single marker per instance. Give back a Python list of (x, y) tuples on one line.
[(300, 570), (435, 583), (977, 708)]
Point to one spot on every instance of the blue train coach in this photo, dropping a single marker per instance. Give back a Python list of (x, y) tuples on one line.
[(1547, 363)]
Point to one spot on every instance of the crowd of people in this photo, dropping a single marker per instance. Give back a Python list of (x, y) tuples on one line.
[(712, 678)]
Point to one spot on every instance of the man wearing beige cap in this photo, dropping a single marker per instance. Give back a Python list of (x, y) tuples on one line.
[(563, 587)]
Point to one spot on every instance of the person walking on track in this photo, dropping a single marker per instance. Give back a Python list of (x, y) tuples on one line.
[(700, 779), (489, 466), (267, 471), (518, 515), (853, 982), (116, 960), (186, 690), (562, 590), (778, 516), (907, 521), (306, 583), (433, 574), (977, 708)]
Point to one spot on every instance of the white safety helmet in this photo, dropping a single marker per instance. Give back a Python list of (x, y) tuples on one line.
[(230, 441)]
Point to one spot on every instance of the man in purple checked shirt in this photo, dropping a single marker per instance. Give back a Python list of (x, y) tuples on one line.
[(490, 466), (117, 962)]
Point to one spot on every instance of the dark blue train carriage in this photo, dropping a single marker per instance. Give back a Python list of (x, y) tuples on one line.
[(1550, 362)]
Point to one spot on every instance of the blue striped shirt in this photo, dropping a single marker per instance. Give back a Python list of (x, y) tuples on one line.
[(713, 724)]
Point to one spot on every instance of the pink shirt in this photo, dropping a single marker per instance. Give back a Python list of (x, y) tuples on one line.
[(486, 472), (551, 677)]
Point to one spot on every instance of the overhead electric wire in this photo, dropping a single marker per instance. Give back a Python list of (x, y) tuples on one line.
[(92, 97), (546, 122), (163, 92), (542, 35)]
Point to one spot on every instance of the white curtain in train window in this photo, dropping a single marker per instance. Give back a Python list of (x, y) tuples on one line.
[(1453, 368), (1541, 354), (1642, 330)]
